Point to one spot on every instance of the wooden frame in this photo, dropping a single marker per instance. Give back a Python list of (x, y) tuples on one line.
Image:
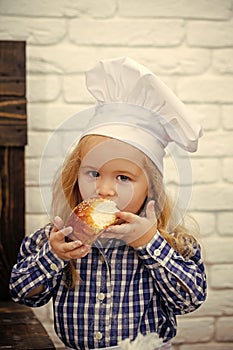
[(13, 138)]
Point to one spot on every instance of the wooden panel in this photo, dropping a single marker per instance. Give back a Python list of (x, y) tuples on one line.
[(12, 209), (19, 327), (21, 330), (12, 68), (13, 137), (13, 123)]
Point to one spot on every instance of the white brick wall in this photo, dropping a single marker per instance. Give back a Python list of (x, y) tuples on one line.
[(189, 44)]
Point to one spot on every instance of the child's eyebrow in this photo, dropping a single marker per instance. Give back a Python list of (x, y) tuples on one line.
[(87, 167)]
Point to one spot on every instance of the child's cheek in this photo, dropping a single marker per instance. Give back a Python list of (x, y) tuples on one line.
[(125, 195), (87, 188)]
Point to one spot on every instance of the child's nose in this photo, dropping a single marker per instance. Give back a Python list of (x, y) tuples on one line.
[(106, 188)]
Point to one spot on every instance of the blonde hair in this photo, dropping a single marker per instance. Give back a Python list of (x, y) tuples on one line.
[(66, 196), (182, 237)]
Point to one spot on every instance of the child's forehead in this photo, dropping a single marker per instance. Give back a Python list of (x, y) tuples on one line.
[(99, 150)]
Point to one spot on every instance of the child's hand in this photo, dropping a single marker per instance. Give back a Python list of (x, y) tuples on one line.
[(66, 250), (136, 231)]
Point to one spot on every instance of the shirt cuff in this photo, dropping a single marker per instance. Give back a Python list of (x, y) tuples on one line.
[(48, 262), (158, 249)]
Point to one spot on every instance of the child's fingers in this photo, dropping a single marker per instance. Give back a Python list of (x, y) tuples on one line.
[(65, 231), (58, 222), (60, 230), (116, 230), (127, 216), (71, 250), (72, 245), (78, 252)]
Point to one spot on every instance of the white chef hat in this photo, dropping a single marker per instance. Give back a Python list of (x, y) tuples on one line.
[(136, 107)]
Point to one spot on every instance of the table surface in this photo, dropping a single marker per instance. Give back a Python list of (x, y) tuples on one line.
[(21, 330)]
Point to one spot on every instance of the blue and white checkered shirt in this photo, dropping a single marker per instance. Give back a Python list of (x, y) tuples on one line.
[(122, 291)]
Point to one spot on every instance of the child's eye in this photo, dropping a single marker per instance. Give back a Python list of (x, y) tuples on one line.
[(123, 178), (93, 173)]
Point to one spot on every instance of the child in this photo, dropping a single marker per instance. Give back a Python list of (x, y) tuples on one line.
[(138, 275)]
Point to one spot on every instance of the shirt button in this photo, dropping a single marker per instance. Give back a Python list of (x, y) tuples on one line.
[(98, 335), (101, 296), (157, 252), (53, 267)]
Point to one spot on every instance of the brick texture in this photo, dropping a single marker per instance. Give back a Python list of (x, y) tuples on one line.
[(189, 44)]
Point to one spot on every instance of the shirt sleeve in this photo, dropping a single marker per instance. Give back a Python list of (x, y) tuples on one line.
[(181, 282), (36, 265)]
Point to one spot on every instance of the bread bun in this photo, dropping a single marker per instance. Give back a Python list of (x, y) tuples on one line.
[(90, 218)]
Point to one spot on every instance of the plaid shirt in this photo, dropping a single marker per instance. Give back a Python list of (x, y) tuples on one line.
[(122, 291)]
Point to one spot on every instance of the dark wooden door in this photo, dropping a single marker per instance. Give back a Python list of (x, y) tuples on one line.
[(13, 138)]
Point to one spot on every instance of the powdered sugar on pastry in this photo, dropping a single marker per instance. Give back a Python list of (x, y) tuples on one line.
[(97, 212), (90, 218)]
